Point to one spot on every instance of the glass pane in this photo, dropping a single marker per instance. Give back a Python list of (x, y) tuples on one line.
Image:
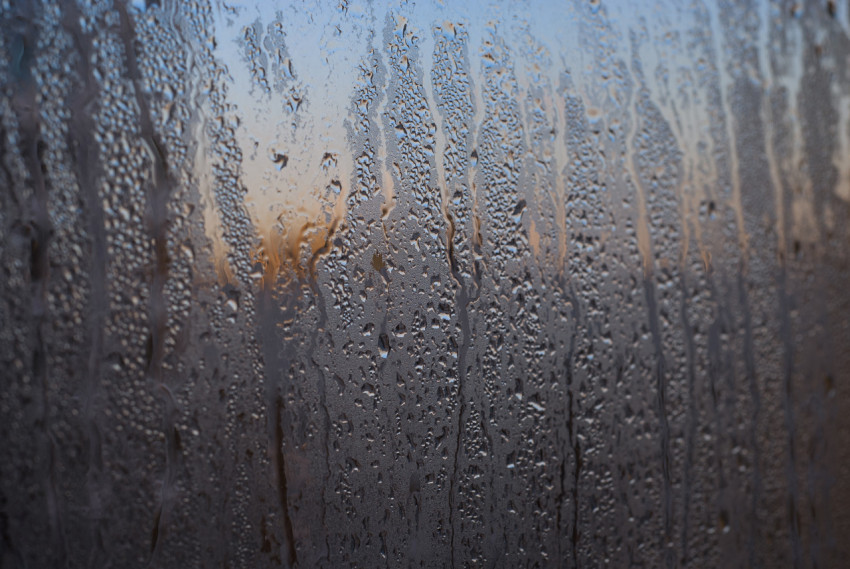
[(360, 284)]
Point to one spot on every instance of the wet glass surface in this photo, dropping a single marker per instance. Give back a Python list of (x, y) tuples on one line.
[(343, 284)]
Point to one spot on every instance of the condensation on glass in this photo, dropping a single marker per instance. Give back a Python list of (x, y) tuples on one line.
[(522, 284)]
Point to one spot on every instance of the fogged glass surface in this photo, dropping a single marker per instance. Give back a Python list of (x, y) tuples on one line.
[(522, 284)]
